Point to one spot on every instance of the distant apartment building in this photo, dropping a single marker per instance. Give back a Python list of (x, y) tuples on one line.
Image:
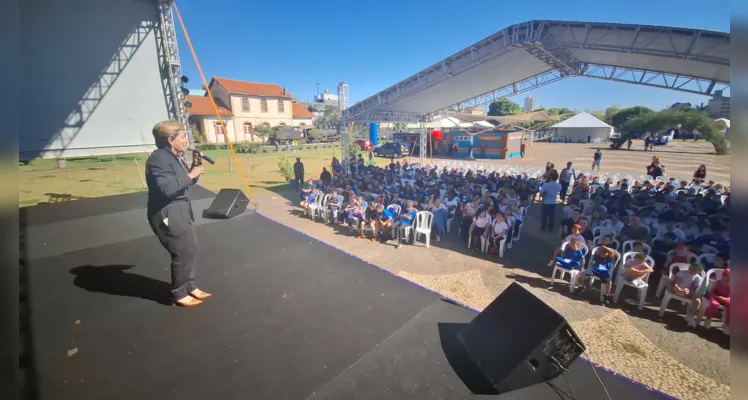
[(529, 104), (326, 98), (719, 106)]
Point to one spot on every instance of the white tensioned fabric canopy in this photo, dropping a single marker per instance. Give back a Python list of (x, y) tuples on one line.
[(582, 126)]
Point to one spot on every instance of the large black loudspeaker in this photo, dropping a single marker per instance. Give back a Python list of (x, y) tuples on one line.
[(518, 341), (228, 203)]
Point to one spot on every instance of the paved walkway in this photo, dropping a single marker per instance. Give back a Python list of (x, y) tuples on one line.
[(664, 354)]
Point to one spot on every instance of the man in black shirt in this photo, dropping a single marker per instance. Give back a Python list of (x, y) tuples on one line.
[(298, 171), (568, 223), (597, 159)]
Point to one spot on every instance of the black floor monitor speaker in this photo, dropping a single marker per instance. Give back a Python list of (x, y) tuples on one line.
[(228, 203), (518, 341)]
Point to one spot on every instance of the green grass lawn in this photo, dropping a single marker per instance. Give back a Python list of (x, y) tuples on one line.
[(42, 181)]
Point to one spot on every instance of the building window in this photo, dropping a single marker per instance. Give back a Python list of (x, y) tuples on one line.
[(245, 104), (219, 129), (264, 105), (282, 124), (280, 106)]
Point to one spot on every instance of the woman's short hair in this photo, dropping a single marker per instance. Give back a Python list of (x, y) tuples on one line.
[(164, 130)]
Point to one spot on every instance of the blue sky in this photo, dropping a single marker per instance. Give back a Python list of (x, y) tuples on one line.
[(372, 44)]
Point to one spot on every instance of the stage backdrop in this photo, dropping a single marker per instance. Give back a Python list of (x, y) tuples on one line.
[(90, 77)]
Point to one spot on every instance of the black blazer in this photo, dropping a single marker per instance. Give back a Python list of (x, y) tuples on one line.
[(167, 183)]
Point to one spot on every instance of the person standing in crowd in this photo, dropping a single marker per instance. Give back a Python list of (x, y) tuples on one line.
[(629, 143), (522, 149), (170, 210), (549, 192), (596, 160), (298, 171), (646, 143), (655, 169), (564, 179), (700, 174)]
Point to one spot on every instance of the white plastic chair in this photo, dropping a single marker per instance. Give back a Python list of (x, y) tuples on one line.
[(621, 280), (423, 226), (614, 264), (573, 273), (486, 242), (669, 295), (394, 209), (629, 245), (516, 236), (319, 202)]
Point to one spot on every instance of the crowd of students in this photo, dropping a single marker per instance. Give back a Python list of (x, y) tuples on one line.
[(655, 223), (484, 207)]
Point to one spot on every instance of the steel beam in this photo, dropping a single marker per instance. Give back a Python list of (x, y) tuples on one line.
[(654, 79), (512, 89)]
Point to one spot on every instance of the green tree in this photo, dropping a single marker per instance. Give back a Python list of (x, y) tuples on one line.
[(620, 118), (503, 107), (688, 120), (263, 131), (610, 112)]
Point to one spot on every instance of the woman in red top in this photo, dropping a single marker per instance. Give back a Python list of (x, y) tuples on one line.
[(719, 296)]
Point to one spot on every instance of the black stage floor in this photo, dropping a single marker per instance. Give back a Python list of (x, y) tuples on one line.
[(291, 318)]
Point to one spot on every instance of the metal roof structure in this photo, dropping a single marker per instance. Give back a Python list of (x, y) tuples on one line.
[(528, 55)]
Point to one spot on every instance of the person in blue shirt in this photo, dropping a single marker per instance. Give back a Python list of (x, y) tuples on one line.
[(384, 223), (407, 218), (571, 256), (602, 268), (549, 192)]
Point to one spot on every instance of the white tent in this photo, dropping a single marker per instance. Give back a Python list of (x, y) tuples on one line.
[(582, 126)]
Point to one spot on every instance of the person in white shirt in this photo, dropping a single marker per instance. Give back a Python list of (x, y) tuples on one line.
[(478, 228), (500, 229), (669, 226)]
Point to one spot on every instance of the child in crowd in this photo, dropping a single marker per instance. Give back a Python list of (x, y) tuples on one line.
[(679, 256), (720, 261), (571, 257), (407, 218), (686, 284), (602, 268), (334, 204), (718, 296), (576, 235), (636, 269), (309, 199), (661, 248)]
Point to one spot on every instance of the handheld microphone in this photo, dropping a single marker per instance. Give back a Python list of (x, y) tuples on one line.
[(203, 156)]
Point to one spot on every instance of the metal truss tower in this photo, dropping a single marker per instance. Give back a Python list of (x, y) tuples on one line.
[(169, 44), (342, 95)]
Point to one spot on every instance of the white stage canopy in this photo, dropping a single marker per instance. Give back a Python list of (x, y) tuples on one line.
[(582, 126)]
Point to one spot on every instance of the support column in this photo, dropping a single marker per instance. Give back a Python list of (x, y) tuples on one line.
[(423, 137)]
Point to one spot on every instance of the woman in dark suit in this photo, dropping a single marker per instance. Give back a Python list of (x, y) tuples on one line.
[(170, 211)]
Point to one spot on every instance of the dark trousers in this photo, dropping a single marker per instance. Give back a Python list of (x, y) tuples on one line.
[(564, 190), (548, 216), (299, 182), (181, 243)]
